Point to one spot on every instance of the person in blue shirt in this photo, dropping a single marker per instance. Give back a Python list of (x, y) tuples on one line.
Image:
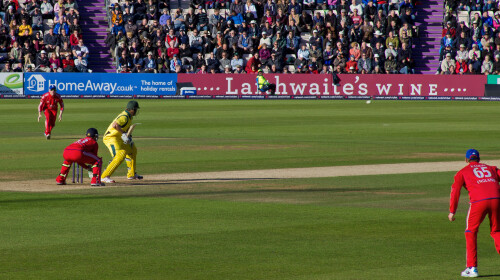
[(117, 27)]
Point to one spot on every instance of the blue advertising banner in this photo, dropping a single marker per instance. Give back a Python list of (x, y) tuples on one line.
[(104, 85)]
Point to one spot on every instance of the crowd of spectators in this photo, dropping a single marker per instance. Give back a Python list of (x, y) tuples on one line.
[(278, 36), (41, 35), (471, 46)]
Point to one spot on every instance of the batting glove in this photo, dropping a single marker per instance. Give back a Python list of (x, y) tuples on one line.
[(125, 138)]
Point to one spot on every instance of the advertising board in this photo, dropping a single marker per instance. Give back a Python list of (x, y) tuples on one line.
[(101, 84)]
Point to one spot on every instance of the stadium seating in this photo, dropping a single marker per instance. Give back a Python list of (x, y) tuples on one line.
[(217, 16)]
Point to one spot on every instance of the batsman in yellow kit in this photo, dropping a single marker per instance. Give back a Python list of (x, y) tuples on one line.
[(120, 145)]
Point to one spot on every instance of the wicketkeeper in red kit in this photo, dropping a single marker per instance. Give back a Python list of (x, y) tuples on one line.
[(83, 152), (48, 104), (481, 181)]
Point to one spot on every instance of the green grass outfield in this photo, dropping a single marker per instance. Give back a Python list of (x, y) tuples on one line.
[(365, 227), (196, 135)]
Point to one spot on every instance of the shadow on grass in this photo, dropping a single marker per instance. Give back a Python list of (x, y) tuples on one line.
[(174, 193)]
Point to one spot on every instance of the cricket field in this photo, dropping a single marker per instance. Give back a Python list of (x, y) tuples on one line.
[(247, 189)]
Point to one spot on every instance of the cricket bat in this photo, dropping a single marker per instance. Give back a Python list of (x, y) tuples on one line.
[(131, 129)]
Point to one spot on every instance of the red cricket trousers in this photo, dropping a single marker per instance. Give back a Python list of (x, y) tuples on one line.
[(82, 158), (50, 120), (477, 213)]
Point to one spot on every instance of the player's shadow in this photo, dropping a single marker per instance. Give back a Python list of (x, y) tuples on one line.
[(490, 275)]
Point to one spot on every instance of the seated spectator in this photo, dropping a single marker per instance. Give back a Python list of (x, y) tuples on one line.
[(196, 42), (449, 29), (355, 51), (179, 21), (250, 11), (81, 64), (367, 31), (42, 62), (365, 49), (212, 62), (81, 50), (292, 43), (55, 63), (264, 54), (150, 63), (202, 20), (37, 42), (36, 19), (390, 51), (198, 61), (316, 39), (6, 68), (47, 9), (377, 62), (190, 20), (390, 65), (68, 64), (405, 34), (364, 64), (245, 43), (496, 20), (474, 59), (117, 26), (304, 52), (462, 53), (461, 66), (487, 66), (253, 61), (264, 40), (28, 53), (224, 61), (165, 17), (152, 11), (377, 39), (328, 55), (351, 63), (140, 10), (356, 17), (61, 25), (73, 14), (463, 39), (496, 65), (124, 59), (15, 54), (236, 61), (25, 27), (340, 61)]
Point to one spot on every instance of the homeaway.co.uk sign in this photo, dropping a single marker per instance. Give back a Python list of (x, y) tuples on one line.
[(100, 83)]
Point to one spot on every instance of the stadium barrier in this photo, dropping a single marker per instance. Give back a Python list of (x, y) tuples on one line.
[(243, 86)]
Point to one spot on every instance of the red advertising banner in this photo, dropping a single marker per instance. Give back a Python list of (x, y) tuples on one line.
[(411, 85), (246, 84), (365, 85)]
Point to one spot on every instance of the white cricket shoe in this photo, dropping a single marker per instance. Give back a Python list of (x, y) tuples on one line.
[(136, 177), (107, 180), (470, 272), (47, 136)]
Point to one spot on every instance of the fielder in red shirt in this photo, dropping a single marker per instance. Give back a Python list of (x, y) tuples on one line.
[(83, 152), (48, 104), (481, 181)]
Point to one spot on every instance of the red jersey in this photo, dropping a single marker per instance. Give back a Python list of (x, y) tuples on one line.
[(87, 144), (480, 180), (49, 102)]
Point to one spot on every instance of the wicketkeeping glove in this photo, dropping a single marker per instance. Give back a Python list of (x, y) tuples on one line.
[(125, 138)]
